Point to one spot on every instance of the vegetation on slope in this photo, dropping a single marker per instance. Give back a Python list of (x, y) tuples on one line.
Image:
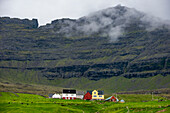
[(26, 103), (109, 85), (45, 55)]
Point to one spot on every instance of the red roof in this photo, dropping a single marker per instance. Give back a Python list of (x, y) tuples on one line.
[(87, 96), (113, 98)]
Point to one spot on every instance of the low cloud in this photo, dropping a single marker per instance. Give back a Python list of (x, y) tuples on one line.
[(110, 22), (47, 10)]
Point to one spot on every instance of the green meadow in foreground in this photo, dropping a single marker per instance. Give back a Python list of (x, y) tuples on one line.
[(30, 103)]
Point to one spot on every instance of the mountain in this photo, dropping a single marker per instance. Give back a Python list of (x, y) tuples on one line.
[(118, 44)]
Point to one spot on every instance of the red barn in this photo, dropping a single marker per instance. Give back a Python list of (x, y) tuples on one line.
[(87, 96)]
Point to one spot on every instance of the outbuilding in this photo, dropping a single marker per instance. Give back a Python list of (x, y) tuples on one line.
[(112, 98), (56, 96), (79, 94), (50, 95), (122, 101)]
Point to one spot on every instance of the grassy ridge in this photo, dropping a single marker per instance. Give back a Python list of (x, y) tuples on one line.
[(29, 88), (29, 103), (109, 85)]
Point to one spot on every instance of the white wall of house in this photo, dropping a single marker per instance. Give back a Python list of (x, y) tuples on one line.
[(56, 96), (68, 95), (80, 96)]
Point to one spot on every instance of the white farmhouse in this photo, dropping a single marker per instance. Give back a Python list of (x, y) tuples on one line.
[(69, 94)]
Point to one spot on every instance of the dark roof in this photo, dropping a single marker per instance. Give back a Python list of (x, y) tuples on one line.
[(80, 92), (100, 92), (90, 92), (50, 95), (69, 91)]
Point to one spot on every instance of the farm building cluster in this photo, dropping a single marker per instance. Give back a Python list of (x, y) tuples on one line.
[(89, 95)]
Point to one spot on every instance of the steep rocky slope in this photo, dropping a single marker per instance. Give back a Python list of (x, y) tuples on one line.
[(117, 41)]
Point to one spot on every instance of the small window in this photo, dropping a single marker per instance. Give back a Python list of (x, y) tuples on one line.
[(72, 95), (100, 95), (94, 92), (66, 94), (95, 96)]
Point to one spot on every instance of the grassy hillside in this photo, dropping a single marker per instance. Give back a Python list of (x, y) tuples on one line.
[(28, 103), (29, 88), (109, 85)]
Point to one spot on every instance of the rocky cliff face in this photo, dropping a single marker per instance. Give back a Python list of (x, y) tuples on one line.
[(117, 41), (25, 23)]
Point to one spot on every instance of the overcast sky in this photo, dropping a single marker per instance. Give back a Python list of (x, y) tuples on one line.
[(47, 10)]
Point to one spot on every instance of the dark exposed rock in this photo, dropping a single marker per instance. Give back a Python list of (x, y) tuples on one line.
[(25, 22), (69, 48)]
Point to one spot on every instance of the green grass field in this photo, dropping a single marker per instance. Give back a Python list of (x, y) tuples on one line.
[(30, 103)]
